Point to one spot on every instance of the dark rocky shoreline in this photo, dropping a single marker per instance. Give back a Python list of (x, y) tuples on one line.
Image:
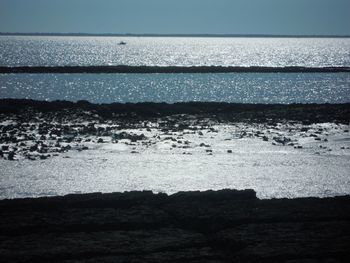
[(221, 111), (211, 226)]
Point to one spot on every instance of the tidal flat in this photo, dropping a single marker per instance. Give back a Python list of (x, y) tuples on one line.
[(58, 148)]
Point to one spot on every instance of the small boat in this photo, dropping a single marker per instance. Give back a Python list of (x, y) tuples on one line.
[(122, 43)]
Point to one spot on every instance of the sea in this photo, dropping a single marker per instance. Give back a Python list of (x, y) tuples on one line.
[(285, 88)]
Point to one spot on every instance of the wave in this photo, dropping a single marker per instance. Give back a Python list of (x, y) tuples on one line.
[(170, 69)]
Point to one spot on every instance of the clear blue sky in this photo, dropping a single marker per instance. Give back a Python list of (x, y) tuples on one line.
[(330, 17)]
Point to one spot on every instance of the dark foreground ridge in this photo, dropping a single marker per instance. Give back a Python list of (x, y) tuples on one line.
[(211, 226), (170, 69)]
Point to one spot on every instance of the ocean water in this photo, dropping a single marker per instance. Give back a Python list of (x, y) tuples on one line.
[(177, 51), (173, 51), (229, 87)]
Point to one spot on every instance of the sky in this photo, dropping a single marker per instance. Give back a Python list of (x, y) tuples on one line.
[(276, 17)]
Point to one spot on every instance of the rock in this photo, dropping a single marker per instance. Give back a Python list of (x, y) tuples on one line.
[(131, 137), (31, 157), (265, 138), (65, 148), (56, 132), (100, 140), (229, 151), (33, 148), (11, 156), (282, 140), (43, 157), (42, 149), (5, 147)]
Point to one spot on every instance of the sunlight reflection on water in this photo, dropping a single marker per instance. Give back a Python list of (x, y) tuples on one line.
[(228, 87)]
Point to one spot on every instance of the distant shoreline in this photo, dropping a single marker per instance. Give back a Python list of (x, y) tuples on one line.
[(170, 69), (172, 35)]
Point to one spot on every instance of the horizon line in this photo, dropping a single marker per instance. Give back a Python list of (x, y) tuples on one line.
[(169, 35)]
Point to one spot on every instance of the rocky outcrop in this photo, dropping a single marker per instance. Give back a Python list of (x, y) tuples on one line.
[(210, 226)]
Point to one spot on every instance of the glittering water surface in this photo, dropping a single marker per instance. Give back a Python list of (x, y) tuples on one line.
[(172, 51), (229, 87)]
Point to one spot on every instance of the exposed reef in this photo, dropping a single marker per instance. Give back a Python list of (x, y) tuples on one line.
[(211, 226), (37, 130)]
